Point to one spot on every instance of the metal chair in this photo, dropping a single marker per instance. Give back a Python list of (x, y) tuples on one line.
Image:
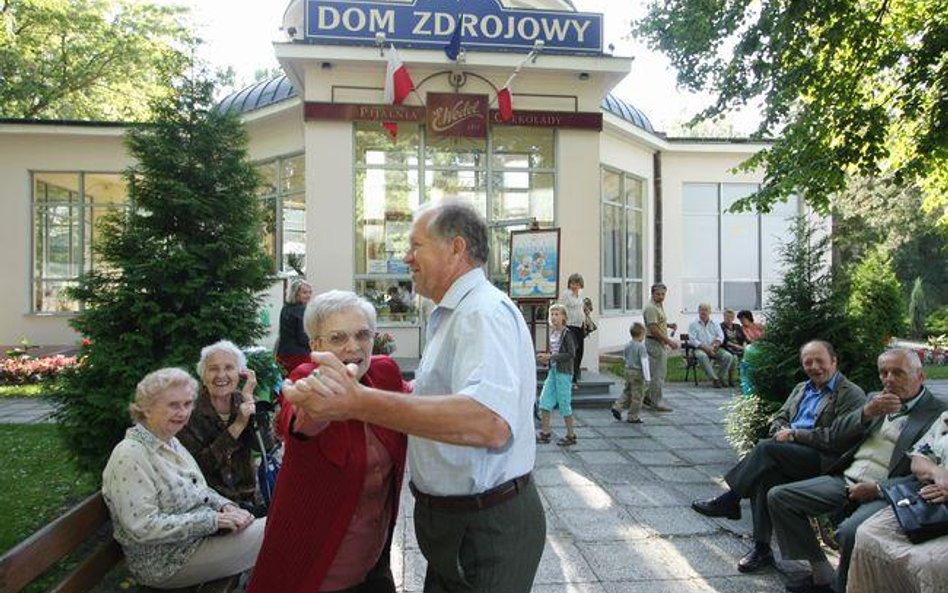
[(691, 361)]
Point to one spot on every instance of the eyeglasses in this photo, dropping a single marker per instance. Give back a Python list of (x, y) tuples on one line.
[(339, 338)]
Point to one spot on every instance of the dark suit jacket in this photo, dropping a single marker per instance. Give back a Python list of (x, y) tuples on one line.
[(846, 398), (852, 432)]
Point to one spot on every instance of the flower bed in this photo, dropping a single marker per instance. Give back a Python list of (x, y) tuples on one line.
[(26, 370)]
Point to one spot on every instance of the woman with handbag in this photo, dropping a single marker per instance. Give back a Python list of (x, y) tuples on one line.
[(883, 558), (575, 318)]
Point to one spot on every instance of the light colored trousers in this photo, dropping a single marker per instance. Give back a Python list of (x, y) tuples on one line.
[(724, 358), (657, 368), (219, 556)]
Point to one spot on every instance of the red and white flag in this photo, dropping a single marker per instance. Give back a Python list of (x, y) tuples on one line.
[(398, 85), (504, 98)]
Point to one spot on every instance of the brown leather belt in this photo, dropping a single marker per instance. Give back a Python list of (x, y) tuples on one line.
[(473, 502)]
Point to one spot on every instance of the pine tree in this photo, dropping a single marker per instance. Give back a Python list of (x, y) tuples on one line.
[(876, 310), (181, 268), (918, 309)]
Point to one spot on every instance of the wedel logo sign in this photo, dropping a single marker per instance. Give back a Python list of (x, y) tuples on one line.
[(444, 118), (456, 115)]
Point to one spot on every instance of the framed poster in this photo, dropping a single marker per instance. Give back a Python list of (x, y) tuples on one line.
[(534, 264)]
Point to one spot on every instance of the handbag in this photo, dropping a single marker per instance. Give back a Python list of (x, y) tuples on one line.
[(919, 519), (589, 326)]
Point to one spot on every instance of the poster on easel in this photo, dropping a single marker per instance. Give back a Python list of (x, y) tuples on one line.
[(534, 264)]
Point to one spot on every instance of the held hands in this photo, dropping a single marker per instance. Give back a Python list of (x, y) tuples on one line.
[(937, 492), (864, 492), (784, 435), (233, 518), (543, 357), (881, 404), (329, 393)]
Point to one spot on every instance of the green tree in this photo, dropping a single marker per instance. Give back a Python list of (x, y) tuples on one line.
[(88, 59), (876, 310), (809, 303), (918, 309), (182, 268), (849, 87)]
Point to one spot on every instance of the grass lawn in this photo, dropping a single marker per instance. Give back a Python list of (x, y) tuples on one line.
[(38, 480), (936, 372), (7, 391)]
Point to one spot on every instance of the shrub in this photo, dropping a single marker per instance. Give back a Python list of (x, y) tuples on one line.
[(937, 324), (180, 269), (26, 370), (918, 309), (875, 310), (269, 375), (747, 419)]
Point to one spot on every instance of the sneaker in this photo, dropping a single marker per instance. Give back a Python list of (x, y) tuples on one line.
[(616, 414)]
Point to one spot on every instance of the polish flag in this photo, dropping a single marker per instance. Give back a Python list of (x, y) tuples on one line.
[(505, 104), (398, 85)]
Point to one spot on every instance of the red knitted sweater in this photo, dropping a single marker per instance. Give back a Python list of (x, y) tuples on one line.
[(317, 491)]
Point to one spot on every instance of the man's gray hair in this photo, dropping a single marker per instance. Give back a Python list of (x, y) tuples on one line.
[(325, 305), (910, 356), (453, 218), (155, 384), (221, 346)]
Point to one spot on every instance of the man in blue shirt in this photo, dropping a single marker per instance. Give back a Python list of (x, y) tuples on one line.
[(471, 446), (799, 447)]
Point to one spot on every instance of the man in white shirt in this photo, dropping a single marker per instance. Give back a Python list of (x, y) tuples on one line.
[(470, 424), (706, 337)]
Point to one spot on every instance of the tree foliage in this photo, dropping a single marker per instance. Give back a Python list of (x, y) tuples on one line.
[(849, 87), (876, 306), (88, 59), (180, 269)]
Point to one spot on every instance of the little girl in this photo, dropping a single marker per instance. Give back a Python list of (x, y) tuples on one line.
[(558, 387)]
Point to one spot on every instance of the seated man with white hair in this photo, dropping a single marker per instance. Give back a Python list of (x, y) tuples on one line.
[(706, 337)]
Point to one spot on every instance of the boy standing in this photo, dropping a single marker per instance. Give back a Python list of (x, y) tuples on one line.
[(636, 375)]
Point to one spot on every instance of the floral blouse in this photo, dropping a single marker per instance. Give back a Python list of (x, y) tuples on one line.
[(160, 504), (934, 445)]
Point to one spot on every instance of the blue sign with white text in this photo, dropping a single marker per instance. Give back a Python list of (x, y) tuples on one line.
[(485, 25)]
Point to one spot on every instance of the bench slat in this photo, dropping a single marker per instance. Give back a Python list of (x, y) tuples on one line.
[(92, 570), (31, 557)]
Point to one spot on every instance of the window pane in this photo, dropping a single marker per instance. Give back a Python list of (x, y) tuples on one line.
[(701, 247), (294, 233), (774, 233), (523, 195), (739, 249), (611, 295), (695, 293), (468, 185), (634, 192), (456, 152), (374, 145), (699, 198), (105, 189), (392, 297), (293, 174), (634, 252), (732, 192), (523, 147), (56, 187), (612, 239), (51, 297), (268, 178), (611, 186), (633, 295), (385, 201), (742, 295)]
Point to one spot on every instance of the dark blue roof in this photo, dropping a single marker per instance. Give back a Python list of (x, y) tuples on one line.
[(279, 89), (259, 95), (620, 108)]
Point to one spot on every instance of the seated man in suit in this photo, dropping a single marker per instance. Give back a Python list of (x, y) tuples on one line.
[(876, 437), (707, 339), (799, 447)]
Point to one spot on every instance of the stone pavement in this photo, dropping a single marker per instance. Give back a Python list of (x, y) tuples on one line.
[(617, 503)]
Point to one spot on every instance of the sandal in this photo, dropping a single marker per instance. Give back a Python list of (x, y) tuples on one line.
[(566, 441), (544, 437)]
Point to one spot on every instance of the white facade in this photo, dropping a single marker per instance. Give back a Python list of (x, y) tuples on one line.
[(333, 242)]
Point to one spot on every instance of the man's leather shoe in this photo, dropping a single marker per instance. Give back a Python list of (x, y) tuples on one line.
[(806, 585), (756, 559), (713, 508)]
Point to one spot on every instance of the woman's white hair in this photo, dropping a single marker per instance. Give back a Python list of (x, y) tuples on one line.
[(222, 346), (155, 384), (293, 295), (327, 304)]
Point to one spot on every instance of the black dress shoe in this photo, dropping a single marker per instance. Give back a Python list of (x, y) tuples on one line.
[(713, 508), (759, 557), (806, 585)]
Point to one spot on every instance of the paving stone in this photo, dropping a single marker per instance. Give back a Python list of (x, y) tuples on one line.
[(583, 497), (601, 457), (568, 588), (563, 563), (619, 430), (662, 458), (708, 456), (680, 474), (755, 583), (653, 559), (611, 524), (559, 476), (666, 521), (646, 495), (661, 586), (660, 431), (623, 473), (640, 444), (682, 441), (591, 444)]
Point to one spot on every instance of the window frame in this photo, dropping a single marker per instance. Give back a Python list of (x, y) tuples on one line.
[(279, 268), (625, 282)]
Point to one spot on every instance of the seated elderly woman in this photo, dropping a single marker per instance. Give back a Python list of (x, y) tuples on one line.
[(883, 558), (164, 514), (221, 433), (331, 521)]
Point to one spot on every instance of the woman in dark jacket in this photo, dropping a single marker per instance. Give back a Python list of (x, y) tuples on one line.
[(293, 345)]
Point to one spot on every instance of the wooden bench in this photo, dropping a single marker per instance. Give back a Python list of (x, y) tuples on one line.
[(88, 521)]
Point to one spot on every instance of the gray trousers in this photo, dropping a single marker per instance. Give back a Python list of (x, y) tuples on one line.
[(724, 359), (495, 550), (767, 465), (219, 556), (791, 505), (657, 369)]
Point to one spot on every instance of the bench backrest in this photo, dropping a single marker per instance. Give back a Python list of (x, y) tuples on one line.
[(30, 558)]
